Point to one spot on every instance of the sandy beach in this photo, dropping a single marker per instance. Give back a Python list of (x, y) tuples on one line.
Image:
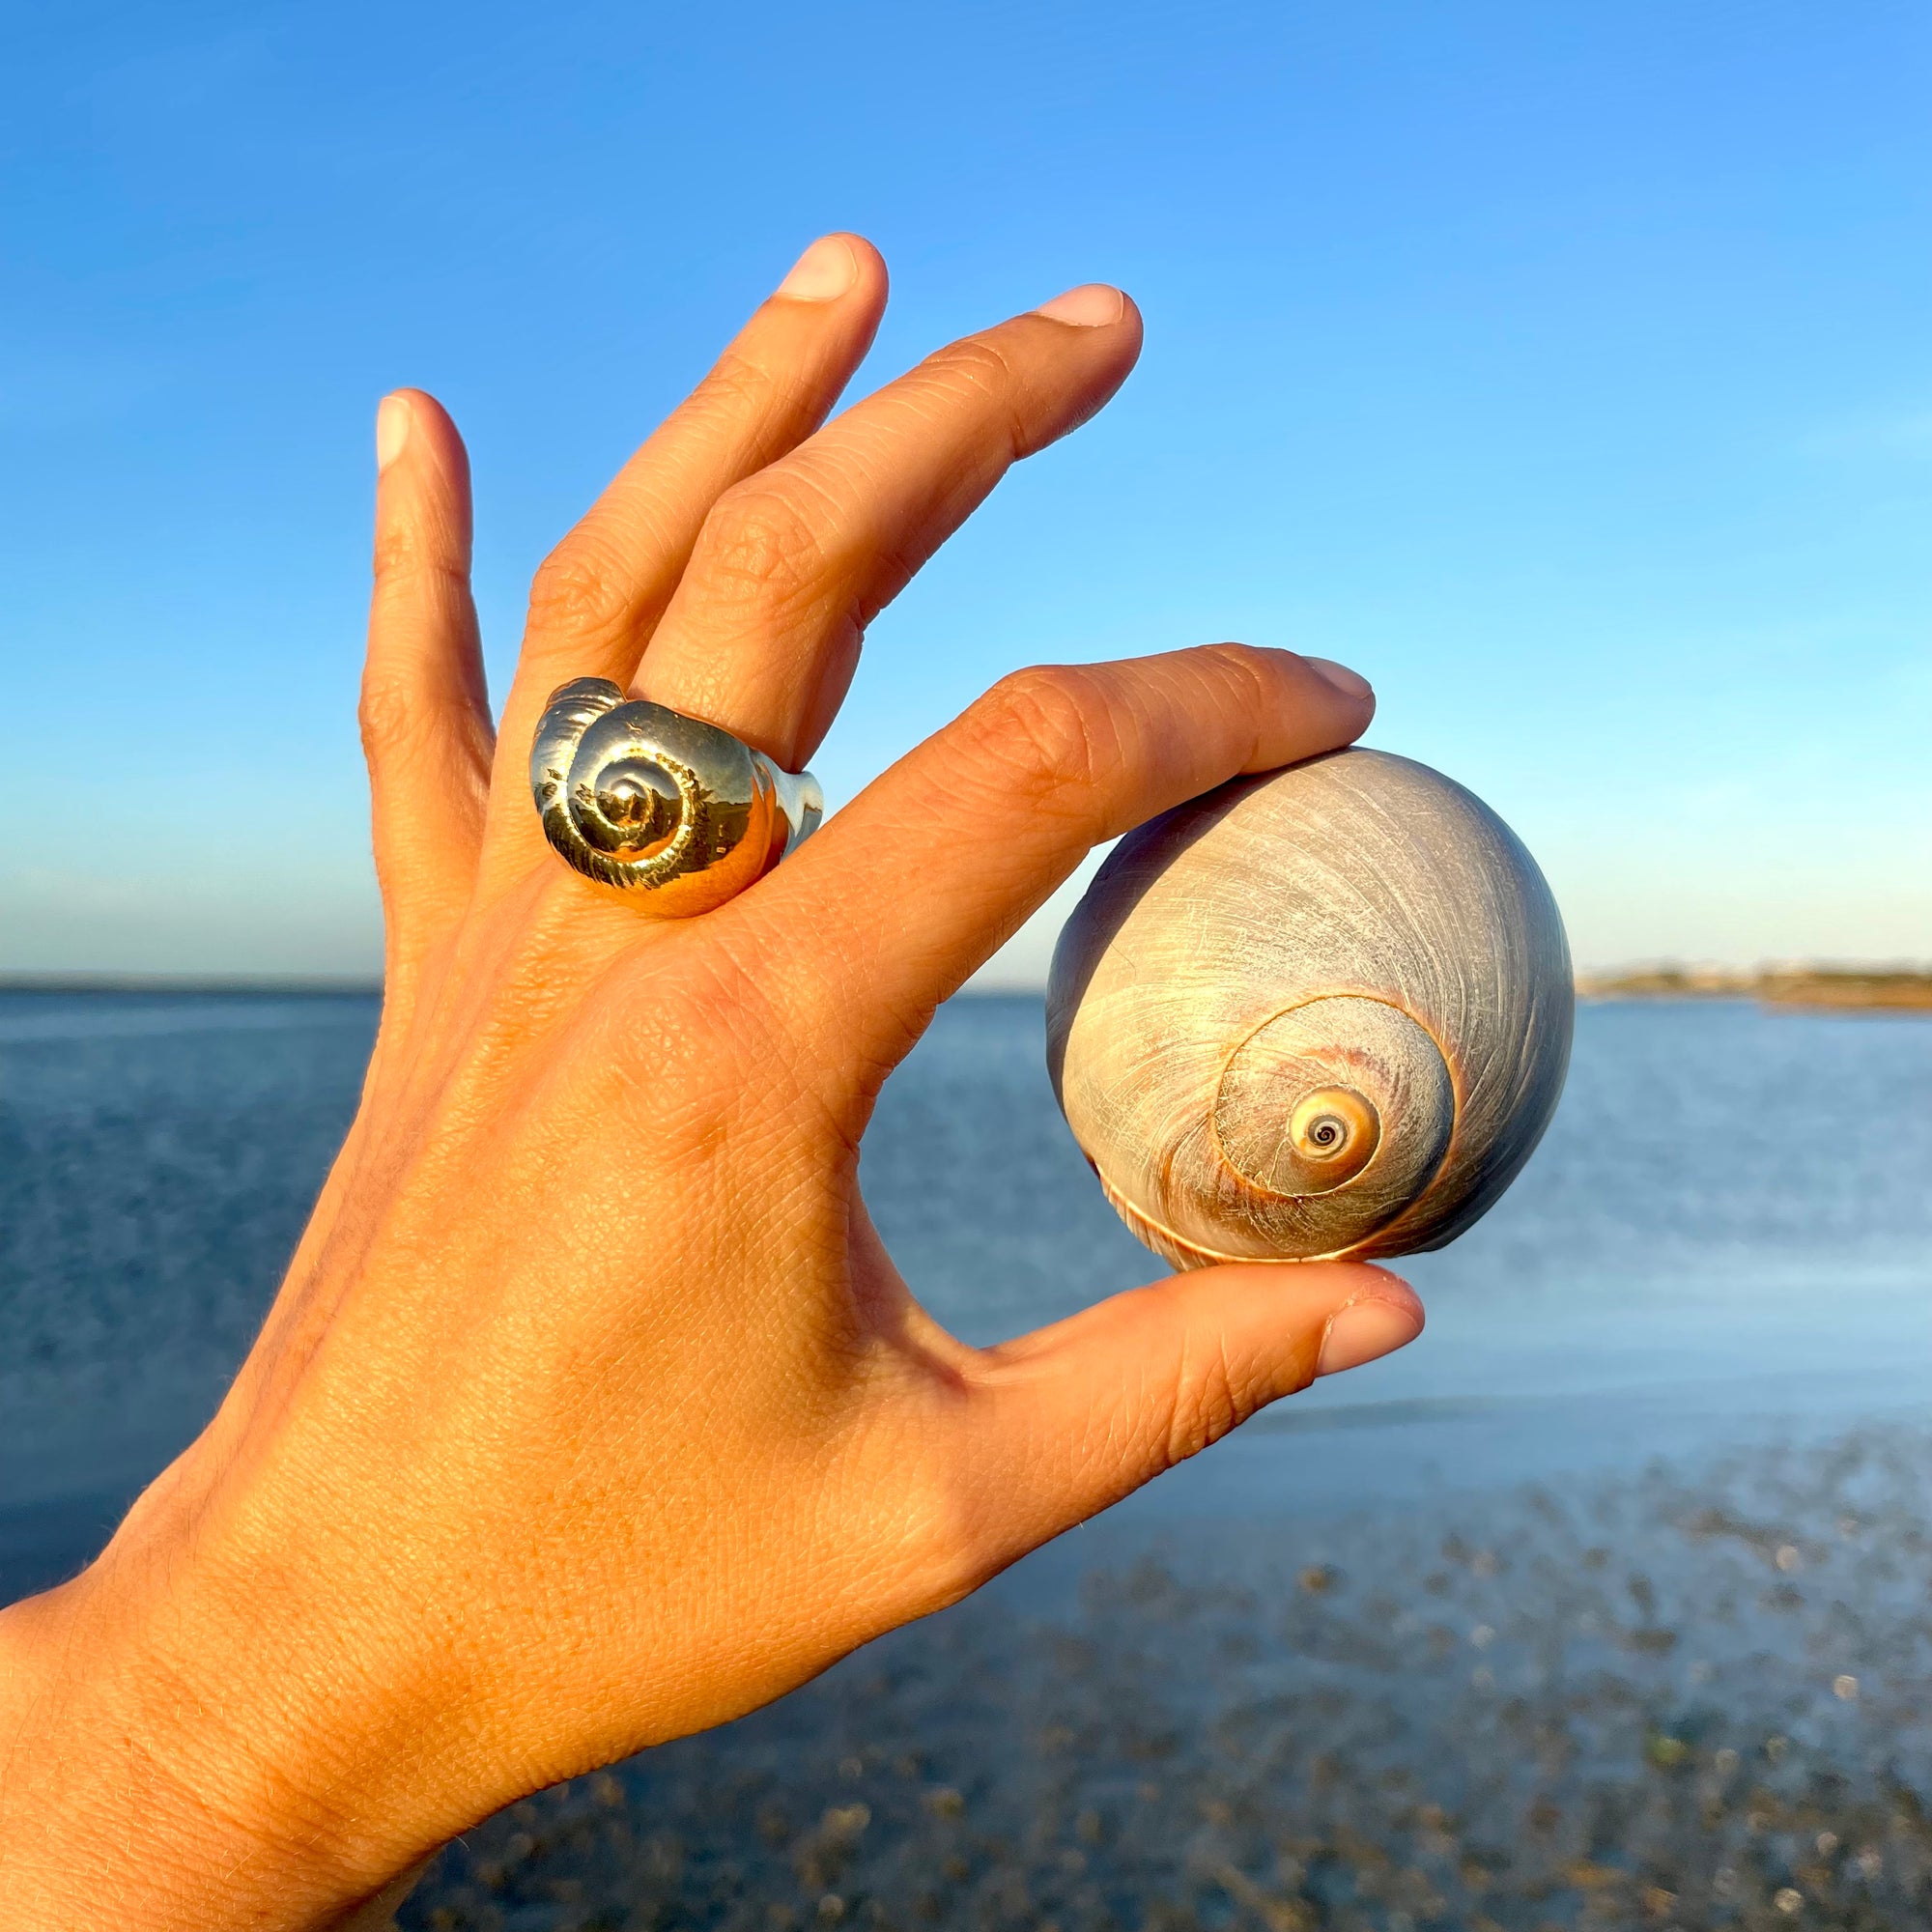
[(1691, 1698)]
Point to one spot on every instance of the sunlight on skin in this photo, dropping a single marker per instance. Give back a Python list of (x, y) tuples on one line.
[(592, 1412)]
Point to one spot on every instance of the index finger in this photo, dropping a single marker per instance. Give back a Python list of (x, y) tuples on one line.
[(929, 870)]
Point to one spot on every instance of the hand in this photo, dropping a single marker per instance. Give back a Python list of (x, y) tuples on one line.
[(592, 1410)]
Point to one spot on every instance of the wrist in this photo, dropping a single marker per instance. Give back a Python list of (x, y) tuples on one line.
[(131, 1793)]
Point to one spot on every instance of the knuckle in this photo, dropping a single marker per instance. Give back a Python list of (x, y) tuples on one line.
[(1051, 728), (957, 1552), (735, 387), (385, 714), (948, 1539), (414, 574), (1208, 1400), (400, 550), (762, 541), (417, 560), (1257, 671), (1247, 660), (574, 591), (980, 368)]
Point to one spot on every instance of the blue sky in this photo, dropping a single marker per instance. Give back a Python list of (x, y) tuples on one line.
[(1568, 370)]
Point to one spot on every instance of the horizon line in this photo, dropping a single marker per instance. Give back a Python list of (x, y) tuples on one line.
[(365, 985)]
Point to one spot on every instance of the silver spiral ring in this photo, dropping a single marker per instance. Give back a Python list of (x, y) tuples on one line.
[(668, 808)]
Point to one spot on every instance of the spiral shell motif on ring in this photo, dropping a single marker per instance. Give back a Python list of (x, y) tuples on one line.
[(1323, 1011), (640, 797)]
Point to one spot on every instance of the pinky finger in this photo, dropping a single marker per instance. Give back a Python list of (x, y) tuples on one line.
[(425, 713)]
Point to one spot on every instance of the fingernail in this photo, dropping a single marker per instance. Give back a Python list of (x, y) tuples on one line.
[(827, 269), (1364, 1330), (1345, 680), (392, 429), (1091, 306)]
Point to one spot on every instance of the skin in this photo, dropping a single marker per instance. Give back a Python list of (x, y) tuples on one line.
[(592, 1412)]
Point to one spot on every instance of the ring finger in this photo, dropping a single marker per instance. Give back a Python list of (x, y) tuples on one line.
[(763, 632)]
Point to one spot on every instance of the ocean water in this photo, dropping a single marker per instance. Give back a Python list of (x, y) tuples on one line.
[(1601, 1605), (1725, 1238)]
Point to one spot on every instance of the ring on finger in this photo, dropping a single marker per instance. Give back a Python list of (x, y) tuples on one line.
[(668, 809)]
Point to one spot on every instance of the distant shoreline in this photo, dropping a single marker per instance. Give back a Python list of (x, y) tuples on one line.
[(1834, 988), (1827, 988), (188, 985)]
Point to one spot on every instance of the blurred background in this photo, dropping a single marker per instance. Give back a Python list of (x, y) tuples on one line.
[(1569, 371), (1566, 370)]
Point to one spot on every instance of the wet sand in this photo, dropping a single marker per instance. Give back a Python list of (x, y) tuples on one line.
[(1693, 1698)]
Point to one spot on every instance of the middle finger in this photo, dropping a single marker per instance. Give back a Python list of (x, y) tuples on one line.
[(763, 632)]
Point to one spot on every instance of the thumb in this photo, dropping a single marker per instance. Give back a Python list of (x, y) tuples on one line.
[(1073, 1417)]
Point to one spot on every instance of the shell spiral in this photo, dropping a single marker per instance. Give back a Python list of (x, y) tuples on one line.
[(1323, 1011), (640, 797)]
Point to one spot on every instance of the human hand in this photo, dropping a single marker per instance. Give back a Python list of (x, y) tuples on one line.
[(592, 1412)]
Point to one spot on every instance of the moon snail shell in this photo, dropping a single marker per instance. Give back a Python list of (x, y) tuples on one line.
[(1320, 1013)]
